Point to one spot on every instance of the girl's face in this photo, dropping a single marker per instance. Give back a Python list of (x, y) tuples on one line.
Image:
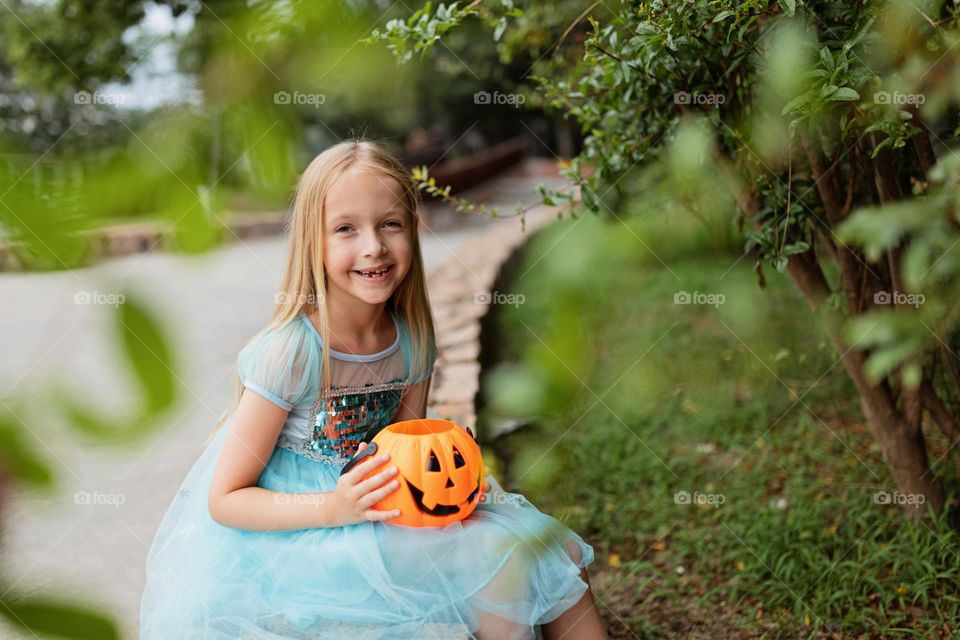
[(367, 237)]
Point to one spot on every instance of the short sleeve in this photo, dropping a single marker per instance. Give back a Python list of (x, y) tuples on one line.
[(281, 364)]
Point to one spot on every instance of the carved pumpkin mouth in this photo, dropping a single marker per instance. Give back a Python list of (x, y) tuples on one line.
[(439, 509)]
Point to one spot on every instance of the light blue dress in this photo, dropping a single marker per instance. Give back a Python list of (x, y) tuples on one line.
[(366, 580)]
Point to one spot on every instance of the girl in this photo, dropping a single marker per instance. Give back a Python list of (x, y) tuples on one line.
[(265, 539)]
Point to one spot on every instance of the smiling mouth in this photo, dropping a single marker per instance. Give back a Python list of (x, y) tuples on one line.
[(440, 509), (374, 274)]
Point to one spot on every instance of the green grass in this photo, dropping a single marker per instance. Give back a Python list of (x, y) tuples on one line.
[(635, 398)]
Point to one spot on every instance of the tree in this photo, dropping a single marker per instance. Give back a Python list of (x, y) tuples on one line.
[(826, 123)]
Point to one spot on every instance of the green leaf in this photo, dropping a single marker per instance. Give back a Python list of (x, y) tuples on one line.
[(789, 7), (723, 15), (911, 375), (876, 229), (795, 104), (795, 248), (62, 620), (895, 336), (147, 353), (17, 457), (589, 198), (826, 58), (149, 359), (883, 361), (844, 94), (813, 74)]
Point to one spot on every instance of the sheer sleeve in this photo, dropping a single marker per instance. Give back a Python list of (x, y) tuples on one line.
[(281, 364)]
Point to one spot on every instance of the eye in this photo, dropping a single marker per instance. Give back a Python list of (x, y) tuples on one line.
[(396, 224), (343, 227), (433, 464), (457, 459)]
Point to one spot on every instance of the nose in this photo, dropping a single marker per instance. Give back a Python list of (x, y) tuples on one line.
[(373, 244)]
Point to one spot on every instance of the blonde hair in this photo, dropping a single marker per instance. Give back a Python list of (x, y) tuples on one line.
[(304, 278)]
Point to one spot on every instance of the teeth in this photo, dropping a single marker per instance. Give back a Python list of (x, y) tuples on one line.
[(374, 273)]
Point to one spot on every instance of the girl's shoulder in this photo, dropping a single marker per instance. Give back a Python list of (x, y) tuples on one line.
[(281, 363), (293, 338)]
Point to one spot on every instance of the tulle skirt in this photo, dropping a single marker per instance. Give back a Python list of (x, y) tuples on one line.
[(507, 564)]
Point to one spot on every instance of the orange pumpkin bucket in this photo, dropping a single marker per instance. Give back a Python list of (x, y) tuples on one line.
[(440, 470)]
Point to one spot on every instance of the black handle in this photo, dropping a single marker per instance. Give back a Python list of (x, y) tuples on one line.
[(357, 459)]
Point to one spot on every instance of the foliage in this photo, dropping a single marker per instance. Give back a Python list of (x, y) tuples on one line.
[(658, 398), (825, 124)]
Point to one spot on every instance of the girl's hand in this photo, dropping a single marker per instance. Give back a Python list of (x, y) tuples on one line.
[(354, 497)]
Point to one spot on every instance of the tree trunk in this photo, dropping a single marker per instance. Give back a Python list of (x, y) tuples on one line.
[(904, 450), (900, 440), (902, 445)]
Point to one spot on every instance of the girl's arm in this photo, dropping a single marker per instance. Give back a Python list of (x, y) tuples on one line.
[(235, 500), (413, 405)]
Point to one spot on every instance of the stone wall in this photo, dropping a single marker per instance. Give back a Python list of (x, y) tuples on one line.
[(460, 295)]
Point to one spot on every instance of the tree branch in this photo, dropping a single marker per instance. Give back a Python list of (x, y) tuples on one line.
[(846, 260), (941, 415)]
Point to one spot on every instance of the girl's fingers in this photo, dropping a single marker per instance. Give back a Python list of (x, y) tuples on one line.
[(376, 480), (378, 515), (376, 496), (356, 474)]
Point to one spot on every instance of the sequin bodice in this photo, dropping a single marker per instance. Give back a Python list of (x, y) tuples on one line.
[(365, 390), (341, 420), (364, 396)]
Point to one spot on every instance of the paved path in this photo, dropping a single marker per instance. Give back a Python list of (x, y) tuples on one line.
[(210, 304)]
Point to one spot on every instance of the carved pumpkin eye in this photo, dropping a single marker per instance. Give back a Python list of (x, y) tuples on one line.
[(458, 459), (433, 464)]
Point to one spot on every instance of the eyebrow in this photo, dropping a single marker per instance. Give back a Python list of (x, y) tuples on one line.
[(344, 217)]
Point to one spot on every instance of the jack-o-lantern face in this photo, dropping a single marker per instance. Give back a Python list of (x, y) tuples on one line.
[(440, 469)]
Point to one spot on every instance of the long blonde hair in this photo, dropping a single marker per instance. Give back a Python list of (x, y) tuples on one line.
[(304, 278)]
